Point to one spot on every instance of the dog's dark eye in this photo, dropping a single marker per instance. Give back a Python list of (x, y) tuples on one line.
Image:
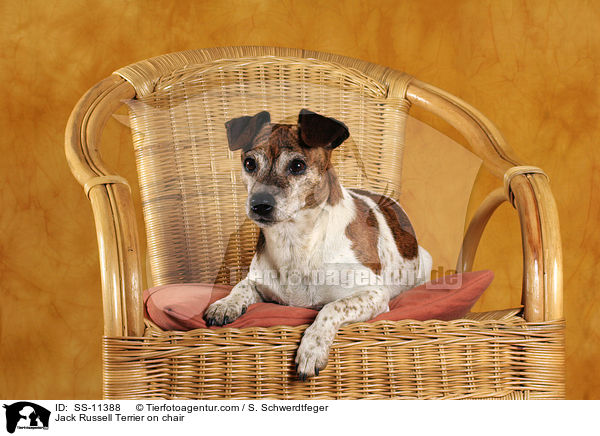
[(250, 165), (297, 166)]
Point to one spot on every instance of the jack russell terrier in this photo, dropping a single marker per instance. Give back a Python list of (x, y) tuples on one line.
[(344, 252)]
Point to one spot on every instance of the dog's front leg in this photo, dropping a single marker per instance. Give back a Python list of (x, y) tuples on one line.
[(230, 308), (313, 351)]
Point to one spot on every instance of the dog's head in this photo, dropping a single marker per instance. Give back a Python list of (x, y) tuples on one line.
[(286, 168)]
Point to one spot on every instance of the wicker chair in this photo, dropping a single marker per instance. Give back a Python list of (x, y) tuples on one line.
[(197, 232)]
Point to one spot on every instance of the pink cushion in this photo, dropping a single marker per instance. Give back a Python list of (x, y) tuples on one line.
[(180, 307)]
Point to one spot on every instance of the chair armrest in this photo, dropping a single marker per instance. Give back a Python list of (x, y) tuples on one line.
[(528, 190), (540, 237), (542, 249), (476, 227), (112, 205)]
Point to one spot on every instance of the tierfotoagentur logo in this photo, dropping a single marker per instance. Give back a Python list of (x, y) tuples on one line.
[(347, 276), (26, 416)]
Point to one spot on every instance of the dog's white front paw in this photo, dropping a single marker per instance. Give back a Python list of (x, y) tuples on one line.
[(312, 354), (223, 312)]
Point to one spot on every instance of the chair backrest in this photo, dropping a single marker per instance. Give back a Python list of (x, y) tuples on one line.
[(192, 195), (191, 191)]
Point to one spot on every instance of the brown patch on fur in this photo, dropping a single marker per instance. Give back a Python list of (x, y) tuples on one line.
[(399, 224), (335, 189), (272, 139), (318, 195), (363, 231), (328, 189)]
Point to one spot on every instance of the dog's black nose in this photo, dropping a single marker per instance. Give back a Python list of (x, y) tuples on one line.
[(262, 203)]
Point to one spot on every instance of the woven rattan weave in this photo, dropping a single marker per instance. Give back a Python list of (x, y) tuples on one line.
[(408, 359), (195, 224)]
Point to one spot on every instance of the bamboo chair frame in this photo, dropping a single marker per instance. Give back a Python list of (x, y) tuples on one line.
[(527, 188)]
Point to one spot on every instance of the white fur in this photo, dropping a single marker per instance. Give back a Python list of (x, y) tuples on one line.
[(307, 249)]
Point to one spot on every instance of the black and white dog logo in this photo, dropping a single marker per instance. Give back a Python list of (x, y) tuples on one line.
[(26, 415)]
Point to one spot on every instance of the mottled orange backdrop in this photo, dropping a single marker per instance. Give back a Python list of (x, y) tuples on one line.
[(533, 67)]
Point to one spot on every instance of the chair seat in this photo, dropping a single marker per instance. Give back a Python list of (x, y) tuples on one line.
[(479, 357)]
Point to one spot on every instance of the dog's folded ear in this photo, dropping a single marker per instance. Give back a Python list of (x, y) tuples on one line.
[(242, 131), (319, 131)]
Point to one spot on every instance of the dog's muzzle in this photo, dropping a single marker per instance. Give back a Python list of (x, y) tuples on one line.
[(262, 204)]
